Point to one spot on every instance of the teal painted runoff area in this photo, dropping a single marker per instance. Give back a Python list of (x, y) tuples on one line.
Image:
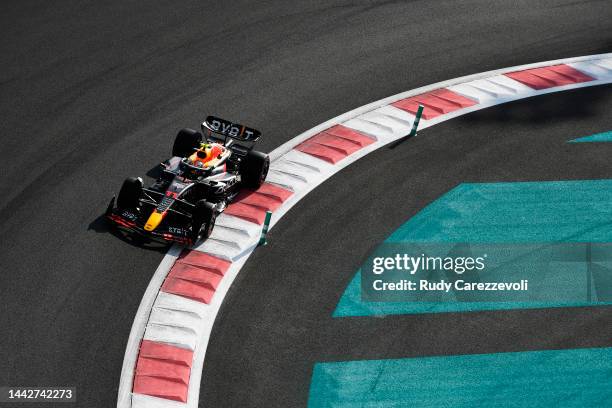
[(596, 138), (575, 378), (521, 212)]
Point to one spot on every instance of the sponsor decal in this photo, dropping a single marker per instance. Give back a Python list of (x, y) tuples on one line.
[(234, 130), (129, 215), (177, 231)]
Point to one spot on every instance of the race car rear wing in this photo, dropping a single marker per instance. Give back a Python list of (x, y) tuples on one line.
[(228, 129)]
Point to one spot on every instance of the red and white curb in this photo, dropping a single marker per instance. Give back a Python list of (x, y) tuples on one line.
[(165, 353)]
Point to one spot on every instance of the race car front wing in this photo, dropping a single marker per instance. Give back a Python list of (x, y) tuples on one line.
[(130, 222)]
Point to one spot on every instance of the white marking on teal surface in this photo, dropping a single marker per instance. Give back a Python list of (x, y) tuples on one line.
[(555, 378), (522, 212)]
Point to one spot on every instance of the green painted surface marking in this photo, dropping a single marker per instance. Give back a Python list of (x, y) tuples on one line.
[(559, 211), (596, 138), (557, 378)]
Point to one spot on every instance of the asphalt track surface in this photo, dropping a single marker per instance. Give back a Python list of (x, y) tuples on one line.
[(92, 93), (276, 321)]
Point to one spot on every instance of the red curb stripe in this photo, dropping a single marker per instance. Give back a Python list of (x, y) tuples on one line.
[(198, 276), (435, 103), (549, 77), (163, 351), (160, 388), (350, 134), (252, 205), (204, 261), (198, 291), (275, 191), (322, 152), (195, 275), (341, 144), (264, 201), (256, 215), (334, 144), (162, 371)]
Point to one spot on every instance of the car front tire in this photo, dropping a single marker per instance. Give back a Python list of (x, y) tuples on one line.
[(130, 193)]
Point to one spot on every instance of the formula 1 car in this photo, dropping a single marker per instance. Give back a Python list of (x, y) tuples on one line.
[(203, 176)]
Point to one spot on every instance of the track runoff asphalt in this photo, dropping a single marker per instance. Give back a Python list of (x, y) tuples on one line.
[(277, 321), (94, 93)]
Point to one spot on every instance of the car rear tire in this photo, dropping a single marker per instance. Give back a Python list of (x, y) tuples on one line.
[(203, 220), (130, 193), (254, 169), (186, 140)]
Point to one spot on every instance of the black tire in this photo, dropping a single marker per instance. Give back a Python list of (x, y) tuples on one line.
[(203, 220), (254, 169), (186, 140), (130, 193)]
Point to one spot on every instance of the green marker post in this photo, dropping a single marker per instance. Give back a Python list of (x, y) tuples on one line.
[(264, 230), (415, 125), (413, 131)]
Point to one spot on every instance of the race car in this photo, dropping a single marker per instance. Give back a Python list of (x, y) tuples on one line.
[(203, 176)]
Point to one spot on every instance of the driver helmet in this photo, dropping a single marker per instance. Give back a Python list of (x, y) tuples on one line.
[(206, 153)]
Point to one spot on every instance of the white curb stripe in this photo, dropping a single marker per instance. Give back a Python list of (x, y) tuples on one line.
[(186, 323)]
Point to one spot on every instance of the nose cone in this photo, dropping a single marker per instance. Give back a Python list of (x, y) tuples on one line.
[(153, 222)]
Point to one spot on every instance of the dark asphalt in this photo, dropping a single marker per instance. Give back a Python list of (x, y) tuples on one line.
[(276, 321), (93, 92)]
